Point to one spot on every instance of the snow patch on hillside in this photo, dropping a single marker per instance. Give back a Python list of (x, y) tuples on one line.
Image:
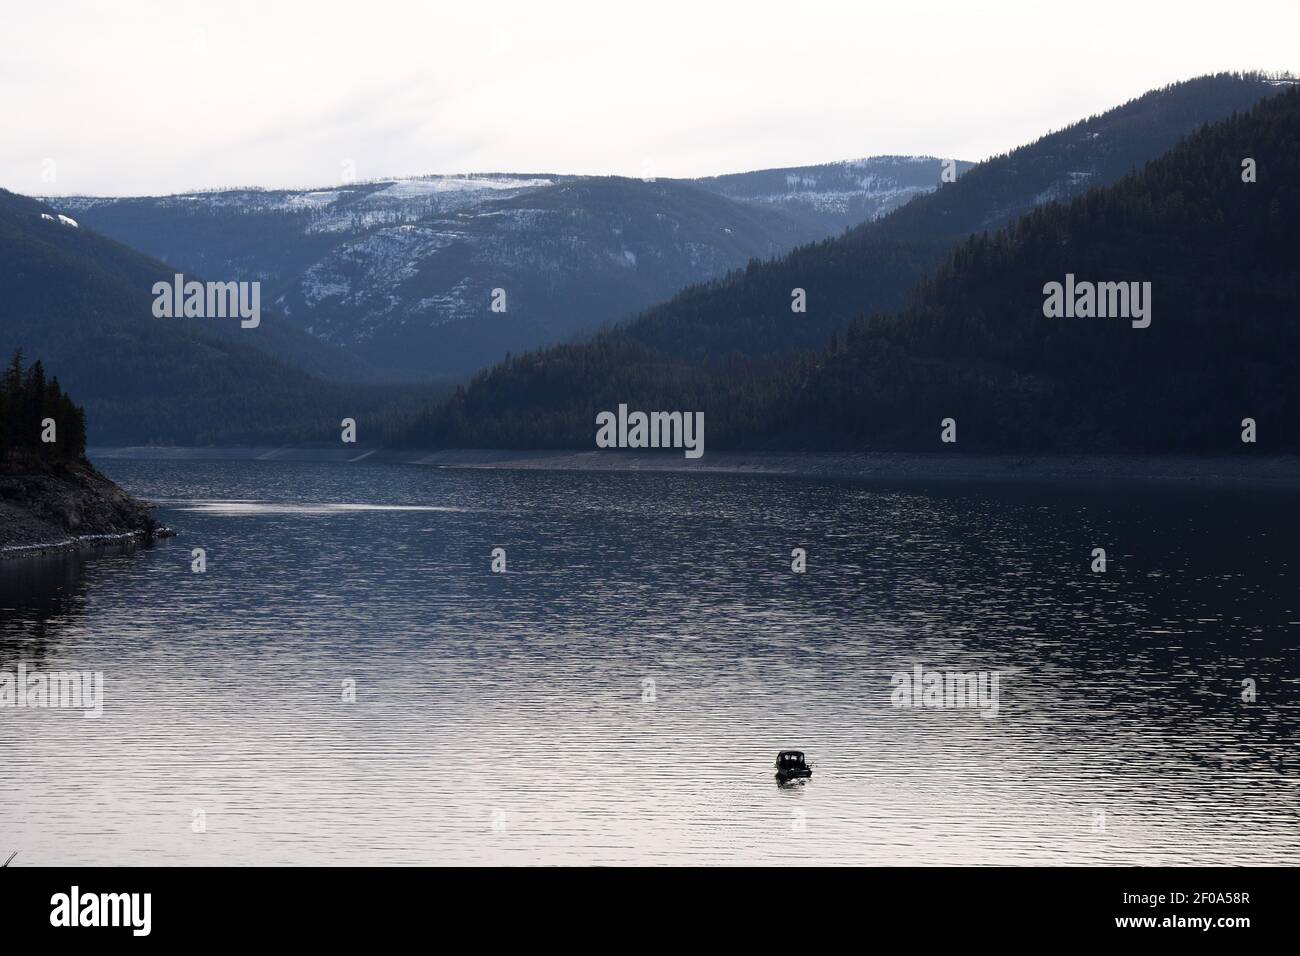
[(416, 188)]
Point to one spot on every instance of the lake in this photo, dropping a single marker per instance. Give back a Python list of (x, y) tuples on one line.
[(350, 682)]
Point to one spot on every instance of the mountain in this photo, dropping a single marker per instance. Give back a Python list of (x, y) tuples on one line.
[(418, 296), (874, 266), (973, 344), (1222, 344), (401, 273), (84, 304), (835, 196), (1069, 162)]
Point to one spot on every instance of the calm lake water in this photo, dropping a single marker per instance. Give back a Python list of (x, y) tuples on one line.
[(510, 717)]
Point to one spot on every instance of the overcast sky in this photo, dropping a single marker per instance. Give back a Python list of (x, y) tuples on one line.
[(153, 97)]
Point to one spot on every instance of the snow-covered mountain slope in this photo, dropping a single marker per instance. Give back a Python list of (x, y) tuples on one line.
[(402, 273), (834, 196)]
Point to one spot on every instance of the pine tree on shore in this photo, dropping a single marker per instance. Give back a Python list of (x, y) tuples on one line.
[(27, 401)]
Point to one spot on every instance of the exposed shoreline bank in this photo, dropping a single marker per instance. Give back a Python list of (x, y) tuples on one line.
[(956, 466), (64, 506)]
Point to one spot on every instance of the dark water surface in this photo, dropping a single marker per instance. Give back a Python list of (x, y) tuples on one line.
[(510, 718)]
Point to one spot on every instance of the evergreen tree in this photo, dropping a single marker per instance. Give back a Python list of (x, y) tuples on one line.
[(27, 398)]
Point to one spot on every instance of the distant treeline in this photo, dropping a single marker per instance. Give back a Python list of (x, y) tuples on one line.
[(34, 410)]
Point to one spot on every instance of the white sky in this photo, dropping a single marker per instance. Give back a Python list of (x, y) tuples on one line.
[(137, 97)]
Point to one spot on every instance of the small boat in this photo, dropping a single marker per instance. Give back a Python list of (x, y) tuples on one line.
[(790, 765)]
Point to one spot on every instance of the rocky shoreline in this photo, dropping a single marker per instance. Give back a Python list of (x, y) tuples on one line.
[(63, 505)]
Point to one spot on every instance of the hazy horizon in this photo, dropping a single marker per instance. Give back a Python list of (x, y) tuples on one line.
[(156, 99)]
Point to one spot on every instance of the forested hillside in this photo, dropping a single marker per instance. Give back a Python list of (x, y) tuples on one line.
[(401, 273), (974, 345), (1223, 342), (874, 266), (84, 304)]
